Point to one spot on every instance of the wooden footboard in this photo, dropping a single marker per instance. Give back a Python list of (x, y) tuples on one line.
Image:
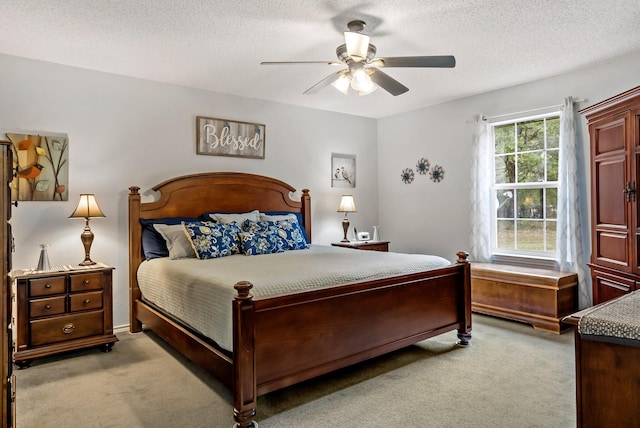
[(340, 326)]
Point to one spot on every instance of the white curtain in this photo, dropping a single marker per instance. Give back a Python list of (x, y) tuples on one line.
[(481, 182), (572, 228)]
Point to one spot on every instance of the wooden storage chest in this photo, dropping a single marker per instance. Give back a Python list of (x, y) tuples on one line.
[(539, 297)]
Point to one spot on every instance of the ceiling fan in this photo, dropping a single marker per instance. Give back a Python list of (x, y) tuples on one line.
[(362, 72)]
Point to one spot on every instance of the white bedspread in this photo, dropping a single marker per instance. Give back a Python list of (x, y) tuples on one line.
[(200, 292)]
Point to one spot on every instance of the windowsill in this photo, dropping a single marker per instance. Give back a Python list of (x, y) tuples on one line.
[(528, 261)]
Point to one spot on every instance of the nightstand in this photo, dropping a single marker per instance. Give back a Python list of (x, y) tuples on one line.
[(62, 311), (364, 245)]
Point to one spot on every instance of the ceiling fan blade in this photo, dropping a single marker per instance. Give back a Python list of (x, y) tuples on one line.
[(300, 62), (323, 83), (446, 61), (387, 82)]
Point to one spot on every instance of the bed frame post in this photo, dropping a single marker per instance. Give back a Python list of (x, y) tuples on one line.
[(135, 257), (464, 333), (306, 212), (244, 363)]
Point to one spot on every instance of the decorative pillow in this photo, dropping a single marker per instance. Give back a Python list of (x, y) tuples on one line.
[(284, 215), (260, 243), (231, 217), (177, 242), (210, 240), (277, 217), (288, 232), (153, 244)]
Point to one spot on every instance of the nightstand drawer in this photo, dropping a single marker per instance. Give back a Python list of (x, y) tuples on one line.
[(51, 330), (47, 286), (46, 307), (85, 301), (87, 281)]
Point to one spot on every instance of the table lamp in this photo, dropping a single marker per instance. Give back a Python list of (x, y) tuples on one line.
[(347, 205), (87, 208)]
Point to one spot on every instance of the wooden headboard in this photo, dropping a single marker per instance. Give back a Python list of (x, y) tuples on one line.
[(195, 194)]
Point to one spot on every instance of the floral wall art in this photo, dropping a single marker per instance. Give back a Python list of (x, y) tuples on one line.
[(423, 167), (41, 166)]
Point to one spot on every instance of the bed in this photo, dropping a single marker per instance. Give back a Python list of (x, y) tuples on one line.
[(282, 338)]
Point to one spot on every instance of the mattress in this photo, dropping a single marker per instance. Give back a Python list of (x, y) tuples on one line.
[(199, 292)]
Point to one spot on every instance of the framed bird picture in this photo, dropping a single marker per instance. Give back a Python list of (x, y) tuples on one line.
[(343, 170), (41, 165)]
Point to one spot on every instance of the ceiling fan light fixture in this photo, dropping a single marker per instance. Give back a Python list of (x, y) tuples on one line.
[(373, 88), (357, 45), (360, 80), (342, 84)]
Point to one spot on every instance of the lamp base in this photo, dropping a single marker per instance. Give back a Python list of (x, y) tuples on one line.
[(87, 239), (345, 227)]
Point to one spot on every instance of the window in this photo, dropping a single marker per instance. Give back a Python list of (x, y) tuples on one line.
[(525, 185)]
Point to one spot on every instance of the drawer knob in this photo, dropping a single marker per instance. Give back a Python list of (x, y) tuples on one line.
[(47, 286), (47, 306), (85, 282), (68, 328), (87, 301)]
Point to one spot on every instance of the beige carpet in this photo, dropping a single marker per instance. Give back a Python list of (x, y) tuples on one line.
[(511, 376)]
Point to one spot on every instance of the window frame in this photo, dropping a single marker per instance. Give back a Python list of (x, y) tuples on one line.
[(534, 258)]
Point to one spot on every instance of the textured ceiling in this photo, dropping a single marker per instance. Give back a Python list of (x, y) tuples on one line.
[(218, 45)]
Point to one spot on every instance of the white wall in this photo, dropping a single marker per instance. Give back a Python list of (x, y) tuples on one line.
[(434, 218), (124, 131)]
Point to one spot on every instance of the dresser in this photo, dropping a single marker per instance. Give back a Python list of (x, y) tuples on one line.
[(607, 350), (614, 133), (62, 311), (364, 245), (6, 366)]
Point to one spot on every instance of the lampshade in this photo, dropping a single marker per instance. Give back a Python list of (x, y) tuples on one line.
[(87, 207), (360, 80), (371, 89), (342, 84), (357, 78), (347, 204), (357, 45)]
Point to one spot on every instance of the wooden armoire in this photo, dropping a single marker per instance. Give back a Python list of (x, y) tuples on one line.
[(6, 344), (614, 131)]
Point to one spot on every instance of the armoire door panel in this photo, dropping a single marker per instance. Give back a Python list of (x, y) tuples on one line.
[(611, 180), (612, 249), (610, 135), (607, 286)]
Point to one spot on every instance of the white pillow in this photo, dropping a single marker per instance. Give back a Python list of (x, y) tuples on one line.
[(237, 217), (291, 217), (177, 241)]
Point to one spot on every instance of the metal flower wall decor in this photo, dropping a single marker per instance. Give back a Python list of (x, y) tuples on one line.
[(437, 174), (407, 175), (423, 167)]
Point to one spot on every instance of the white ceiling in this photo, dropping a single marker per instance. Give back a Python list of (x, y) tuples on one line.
[(218, 45)]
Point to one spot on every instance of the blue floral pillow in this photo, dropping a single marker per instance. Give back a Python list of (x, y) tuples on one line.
[(254, 243), (210, 240), (289, 233)]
